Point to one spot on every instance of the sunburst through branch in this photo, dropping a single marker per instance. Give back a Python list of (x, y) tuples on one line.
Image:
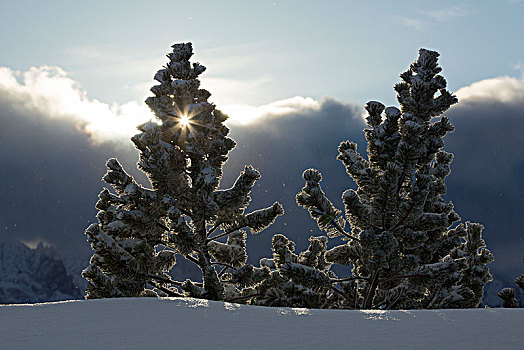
[(184, 121)]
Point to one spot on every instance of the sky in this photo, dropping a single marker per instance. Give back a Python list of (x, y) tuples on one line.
[(293, 77)]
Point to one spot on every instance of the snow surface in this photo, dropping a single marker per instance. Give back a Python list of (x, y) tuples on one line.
[(177, 323)]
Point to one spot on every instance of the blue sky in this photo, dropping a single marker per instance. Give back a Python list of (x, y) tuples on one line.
[(263, 51), (293, 76)]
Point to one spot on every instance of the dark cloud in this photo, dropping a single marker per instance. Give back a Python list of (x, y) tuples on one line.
[(50, 177), (281, 148), (486, 184), (487, 179)]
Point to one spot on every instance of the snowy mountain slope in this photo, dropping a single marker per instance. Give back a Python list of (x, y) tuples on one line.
[(200, 324), (33, 275)]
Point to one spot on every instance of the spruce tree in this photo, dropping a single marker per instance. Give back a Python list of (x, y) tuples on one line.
[(140, 230), (403, 245)]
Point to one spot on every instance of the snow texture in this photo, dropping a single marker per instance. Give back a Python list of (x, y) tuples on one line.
[(143, 323)]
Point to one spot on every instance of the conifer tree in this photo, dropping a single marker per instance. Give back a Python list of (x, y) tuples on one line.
[(289, 279), (140, 230), (509, 296), (520, 280), (403, 245)]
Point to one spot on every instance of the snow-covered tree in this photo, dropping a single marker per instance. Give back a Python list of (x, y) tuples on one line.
[(508, 295), (403, 245), (140, 230), (520, 281), (289, 279)]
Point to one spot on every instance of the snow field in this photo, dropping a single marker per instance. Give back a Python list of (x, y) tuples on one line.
[(183, 323)]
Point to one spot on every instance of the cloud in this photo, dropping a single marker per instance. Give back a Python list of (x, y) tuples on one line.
[(51, 92), (245, 114), (229, 91), (439, 15), (54, 95), (507, 90), (51, 167), (281, 146), (489, 120), (487, 179), (409, 22), (446, 14), (234, 76), (486, 183)]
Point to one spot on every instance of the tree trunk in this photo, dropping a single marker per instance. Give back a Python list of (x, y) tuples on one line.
[(368, 302), (213, 289)]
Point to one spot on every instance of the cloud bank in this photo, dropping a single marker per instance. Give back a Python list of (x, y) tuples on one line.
[(487, 182), (506, 90), (53, 146), (50, 92)]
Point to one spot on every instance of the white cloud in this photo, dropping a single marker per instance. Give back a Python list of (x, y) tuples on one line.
[(447, 14), (409, 22), (420, 17), (242, 114), (227, 91), (52, 93), (519, 66), (500, 89)]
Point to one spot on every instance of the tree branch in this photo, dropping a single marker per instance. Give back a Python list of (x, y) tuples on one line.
[(190, 258), (394, 303), (165, 290), (244, 297), (222, 264), (225, 233), (339, 292), (349, 279), (402, 276), (165, 280), (162, 226), (212, 229), (222, 272), (384, 207), (342, 232), (404, 218)]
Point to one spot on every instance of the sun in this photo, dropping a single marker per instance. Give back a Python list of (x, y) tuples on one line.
[(184, 121)]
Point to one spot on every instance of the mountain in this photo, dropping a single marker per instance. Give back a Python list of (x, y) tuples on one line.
[(34, 275)]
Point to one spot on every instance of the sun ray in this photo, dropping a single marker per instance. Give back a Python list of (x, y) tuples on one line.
[(184, 121)]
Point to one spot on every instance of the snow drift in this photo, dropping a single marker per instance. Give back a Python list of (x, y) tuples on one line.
[(141, 323)]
